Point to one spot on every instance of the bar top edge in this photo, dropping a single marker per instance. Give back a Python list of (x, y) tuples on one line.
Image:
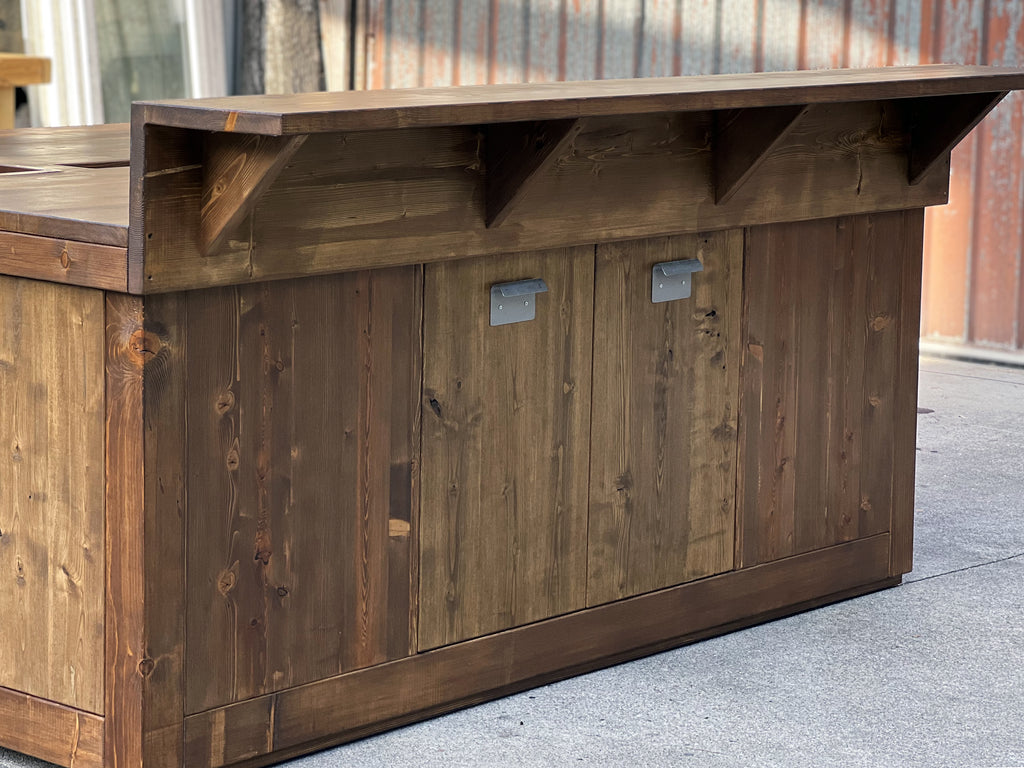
[(286, 114)]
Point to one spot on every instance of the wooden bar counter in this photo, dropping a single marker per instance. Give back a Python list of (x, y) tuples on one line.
[(329, 413)]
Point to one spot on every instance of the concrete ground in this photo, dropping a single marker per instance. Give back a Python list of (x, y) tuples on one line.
[(928, 674)]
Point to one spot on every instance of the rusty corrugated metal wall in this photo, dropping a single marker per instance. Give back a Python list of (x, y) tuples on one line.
[(973, 283)]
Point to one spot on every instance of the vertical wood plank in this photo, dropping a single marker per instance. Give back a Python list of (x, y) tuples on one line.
[(881, 239), (145, 526), (663, 446), (51, 492), (505, 447), (125, 531), (847, 297), (905, 396), (302, 421), (164, 386)]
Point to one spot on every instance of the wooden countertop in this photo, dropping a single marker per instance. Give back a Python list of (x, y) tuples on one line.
[(90, 146), (280, 115), (66, 182)]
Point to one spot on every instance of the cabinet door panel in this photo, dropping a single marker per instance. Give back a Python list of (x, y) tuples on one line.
[(663, 467), (822, 340), (506, 436), (301, 409)]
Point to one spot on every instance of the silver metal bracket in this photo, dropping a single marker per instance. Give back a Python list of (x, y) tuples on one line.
[(670, 280), (515, 302)]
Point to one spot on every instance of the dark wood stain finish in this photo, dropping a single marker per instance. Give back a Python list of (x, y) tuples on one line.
[(354, 705), (822, 334), (125, 535), (303, 426), (51, 492), (64, 261), (505, 447), (49, 731), (420, 195), (904, 439), (335, 500), (663, 448), (424, 107)]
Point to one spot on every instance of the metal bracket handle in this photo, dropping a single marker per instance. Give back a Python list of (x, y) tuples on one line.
[(514, 302), (670, 280)]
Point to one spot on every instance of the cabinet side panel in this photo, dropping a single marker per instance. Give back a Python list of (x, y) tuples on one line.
[(51, 492), (663, 456), (505, 446), (905, 440), (302, 428), (821, 361)]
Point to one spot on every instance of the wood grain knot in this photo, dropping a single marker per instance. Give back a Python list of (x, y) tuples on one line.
[(232, 459), (880, 322), (144, 345), (146, 667), (724, 432), (65, 259), (226, 582), (225, 402)]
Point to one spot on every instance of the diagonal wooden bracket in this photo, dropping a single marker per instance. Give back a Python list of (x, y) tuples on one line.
[(938, 123), (515, 155), (236, 171), (743, 138)]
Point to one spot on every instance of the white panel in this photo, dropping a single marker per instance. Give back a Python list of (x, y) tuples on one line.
[(64, 31), (206, 43)]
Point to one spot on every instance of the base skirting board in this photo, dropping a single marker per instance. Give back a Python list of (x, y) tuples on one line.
[(328, 712)]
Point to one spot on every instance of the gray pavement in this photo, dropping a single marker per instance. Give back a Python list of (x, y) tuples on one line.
[(930, 673)]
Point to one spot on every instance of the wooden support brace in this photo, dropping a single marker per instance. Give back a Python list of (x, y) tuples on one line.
[(938, 123), (518, 153), (236, 172), (743, 139)]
